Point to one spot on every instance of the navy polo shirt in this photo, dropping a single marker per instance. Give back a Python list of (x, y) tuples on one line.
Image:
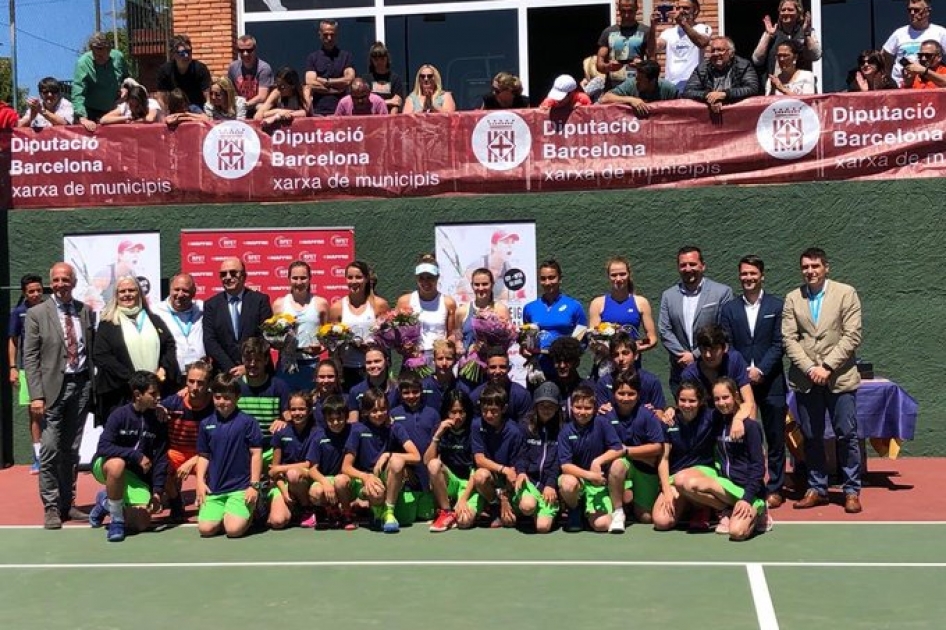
[(651, 392), (327, 449), (456, 451), (733, 366), (420, 424), (500, 445), (226, 442), (356, 393), (291, 444), (580, 445), (519, 405), (691, 443), (368, 442), (639, 428)]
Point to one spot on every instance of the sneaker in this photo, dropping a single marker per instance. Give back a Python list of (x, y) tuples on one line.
[(178, 513), (723, 526), (348, 522), (764, 523), (574, 523), (309, 520), (115, 531), (445, 520), (34, 467), (700, 520), (391, 526), (51, 519), (99, 510), (617, 522)]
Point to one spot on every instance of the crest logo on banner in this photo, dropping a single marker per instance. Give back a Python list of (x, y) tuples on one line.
[(501, 141), (231, 149), (788, 129)]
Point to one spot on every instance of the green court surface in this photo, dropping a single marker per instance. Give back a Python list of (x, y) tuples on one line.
[(804, 576)]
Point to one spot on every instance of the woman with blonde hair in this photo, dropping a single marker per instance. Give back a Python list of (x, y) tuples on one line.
[(224, 104), (794, 24), (130, 338), (428, 95)]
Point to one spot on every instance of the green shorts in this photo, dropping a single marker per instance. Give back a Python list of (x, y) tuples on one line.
[(137, 492), (738, 492), (545, 510), (709, 471), (410, 504), (23, 394), (217, 505), (646, 488), (597, 498)]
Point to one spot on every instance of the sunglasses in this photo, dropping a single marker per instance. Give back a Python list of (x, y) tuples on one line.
[(912, 10), (925, 55), (231, 273), (51, 92), (426, 76), (247, 51), (183, 53)]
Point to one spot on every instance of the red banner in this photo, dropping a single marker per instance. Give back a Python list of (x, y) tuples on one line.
[(267, 255), (763, 140)]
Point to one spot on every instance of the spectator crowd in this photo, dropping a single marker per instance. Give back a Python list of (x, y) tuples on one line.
[(625, 69)]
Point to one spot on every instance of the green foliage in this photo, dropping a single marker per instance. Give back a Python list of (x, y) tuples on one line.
[(6, 83)]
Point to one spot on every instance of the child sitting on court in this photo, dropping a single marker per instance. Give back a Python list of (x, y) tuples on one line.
[(538, 465), (228, 471), (496, 441), (331, 489), (420, 422), (288, 470), (131, 461), (449, 461), (633, 478), (586, 447), (377, 455)]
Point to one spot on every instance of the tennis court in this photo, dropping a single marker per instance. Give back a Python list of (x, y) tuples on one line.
[(801, 575)]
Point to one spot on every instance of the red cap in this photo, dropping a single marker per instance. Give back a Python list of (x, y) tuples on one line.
[(125, 246), (502, 235)]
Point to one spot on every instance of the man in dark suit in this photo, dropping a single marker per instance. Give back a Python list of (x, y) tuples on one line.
[(56, 351), (753, 325), (233, 316), (685, 308)]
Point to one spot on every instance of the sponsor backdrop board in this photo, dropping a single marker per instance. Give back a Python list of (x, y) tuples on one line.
[(100, 259), (506, 249), (267, 255), (763, 140)]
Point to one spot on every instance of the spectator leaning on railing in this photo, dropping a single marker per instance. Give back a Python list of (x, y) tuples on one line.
[(50, 109), (723, 78), (646, 87), (252, 78), (98, 76), (361, 102)]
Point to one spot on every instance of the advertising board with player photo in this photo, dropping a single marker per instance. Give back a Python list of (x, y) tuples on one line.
[(101, 259)]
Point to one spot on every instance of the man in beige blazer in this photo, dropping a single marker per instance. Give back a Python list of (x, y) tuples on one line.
[(56, 357), (821, 330)]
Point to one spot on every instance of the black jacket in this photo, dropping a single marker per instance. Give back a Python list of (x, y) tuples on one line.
[(744, 81)]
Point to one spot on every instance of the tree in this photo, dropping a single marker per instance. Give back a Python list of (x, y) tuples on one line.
[(6, 84)]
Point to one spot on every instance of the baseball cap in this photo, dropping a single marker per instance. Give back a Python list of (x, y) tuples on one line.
[(547, 392), (126, 245), (503, 235), (564, 84)]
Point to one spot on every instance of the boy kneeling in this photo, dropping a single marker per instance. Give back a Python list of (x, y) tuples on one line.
[(131, 461)]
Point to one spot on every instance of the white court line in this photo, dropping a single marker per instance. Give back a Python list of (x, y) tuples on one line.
[(764, 609), (468, 563)]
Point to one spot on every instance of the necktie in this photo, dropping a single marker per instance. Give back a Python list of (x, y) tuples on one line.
[(72, 342), (235, 316)]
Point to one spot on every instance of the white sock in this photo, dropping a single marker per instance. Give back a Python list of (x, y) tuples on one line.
[(618, 514), (116, 509), (36, 446)]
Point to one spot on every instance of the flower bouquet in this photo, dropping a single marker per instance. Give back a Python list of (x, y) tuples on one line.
[(334, 336), (399, 330), (488, 330), (599, 340), (280, 332), (530, 341)]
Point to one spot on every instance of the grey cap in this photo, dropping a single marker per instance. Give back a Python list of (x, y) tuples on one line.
[(547, 392)]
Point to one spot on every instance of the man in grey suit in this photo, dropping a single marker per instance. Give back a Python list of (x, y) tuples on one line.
[(821, 330), (685, 307), (56, 351)]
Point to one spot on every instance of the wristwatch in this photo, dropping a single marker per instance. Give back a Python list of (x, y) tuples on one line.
[(256, 485)]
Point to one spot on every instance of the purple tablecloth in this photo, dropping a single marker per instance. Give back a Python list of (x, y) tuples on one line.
[(884, 410)]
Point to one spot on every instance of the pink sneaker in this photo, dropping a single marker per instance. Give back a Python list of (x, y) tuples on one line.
[(308, 520)]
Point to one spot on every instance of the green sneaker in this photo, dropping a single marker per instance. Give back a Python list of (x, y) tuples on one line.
[(391, 526)]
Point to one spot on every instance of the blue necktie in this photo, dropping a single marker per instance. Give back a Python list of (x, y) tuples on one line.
[(235, 316)]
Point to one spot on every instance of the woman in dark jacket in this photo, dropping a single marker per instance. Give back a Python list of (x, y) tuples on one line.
[(129, 338)]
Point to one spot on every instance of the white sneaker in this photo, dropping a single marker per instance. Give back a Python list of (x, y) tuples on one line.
[(764, 523), (617, 522), (275, 5), (723, 526)]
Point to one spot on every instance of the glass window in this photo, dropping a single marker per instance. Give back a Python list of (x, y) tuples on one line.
[(278, 6), (289, 43), (467, 48)]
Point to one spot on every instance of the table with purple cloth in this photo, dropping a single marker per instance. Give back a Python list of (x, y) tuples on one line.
[(886, 415)]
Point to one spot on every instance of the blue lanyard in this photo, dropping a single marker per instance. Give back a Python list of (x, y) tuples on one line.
[(185, 330), (140, 320)]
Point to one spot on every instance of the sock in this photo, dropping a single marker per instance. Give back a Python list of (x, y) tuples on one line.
[(388, 509), (36, 450), (116, 509)]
